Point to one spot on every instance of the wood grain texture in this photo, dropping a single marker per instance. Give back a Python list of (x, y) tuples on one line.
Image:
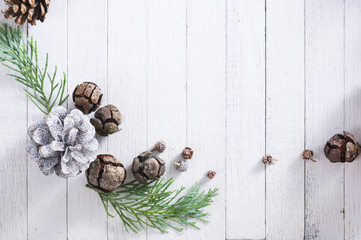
[(13, 166), (285, 119), (352, 116), (206, 47), (166, 95), (127, 76), (47, 206), (324, 61), (87, 45), (232, 79), (245, 123)]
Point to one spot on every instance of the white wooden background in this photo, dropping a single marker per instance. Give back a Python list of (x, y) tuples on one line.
[(233, 79)]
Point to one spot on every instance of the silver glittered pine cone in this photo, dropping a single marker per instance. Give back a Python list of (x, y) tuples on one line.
[(63, 142), (22, 10)]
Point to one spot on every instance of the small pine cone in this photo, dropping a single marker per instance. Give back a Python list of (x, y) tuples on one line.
[(342, 148), (269, 160), (308, 155), (181, 165), (22, 10), (106, 173), (160, 146), (211, 174), (106, 120), (187, 153), (146, 168), (87, 97)]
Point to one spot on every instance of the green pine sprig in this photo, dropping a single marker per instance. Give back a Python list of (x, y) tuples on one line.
[(154, 205), (24, 62)]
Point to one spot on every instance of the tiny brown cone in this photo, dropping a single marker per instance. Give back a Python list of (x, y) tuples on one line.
[(22, 10)]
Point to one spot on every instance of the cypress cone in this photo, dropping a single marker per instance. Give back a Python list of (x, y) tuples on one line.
[(342, 148), (22, 10)]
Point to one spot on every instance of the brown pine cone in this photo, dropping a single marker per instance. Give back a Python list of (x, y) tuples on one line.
[(342, 148), (187, 153), (211, 174), (269, 160), (106, 120), (160, 146), (23, 10), (106, 173), (87, 97), (308, 155), (146, 168)]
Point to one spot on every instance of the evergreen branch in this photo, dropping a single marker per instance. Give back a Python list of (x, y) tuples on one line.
[(25, 64), (153, 205)]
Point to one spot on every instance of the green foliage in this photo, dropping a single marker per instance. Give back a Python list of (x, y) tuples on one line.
[(153, 205), (24, 62)]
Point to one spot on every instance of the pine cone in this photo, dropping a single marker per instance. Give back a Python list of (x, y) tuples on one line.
[(63, 142), (106, 173), (211, 174), (146, 167), (181, 165), (160, 146), (106, 120), (342, 148), (187, 153), (87, 97), (23, 10)]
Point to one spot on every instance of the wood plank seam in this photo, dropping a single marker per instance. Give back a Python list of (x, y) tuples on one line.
[(107, 77), (27, 157), (304, 115), (344, 116), (226, 116), (67, 106), (265, 116)]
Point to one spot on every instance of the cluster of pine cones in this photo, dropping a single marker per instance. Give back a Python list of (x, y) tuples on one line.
[(22, 10)]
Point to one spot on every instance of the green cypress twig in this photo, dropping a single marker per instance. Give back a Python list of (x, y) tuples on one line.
[(15, 56), (153, 205)]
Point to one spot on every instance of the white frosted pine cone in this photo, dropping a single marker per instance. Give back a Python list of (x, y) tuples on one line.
[(63, 142)]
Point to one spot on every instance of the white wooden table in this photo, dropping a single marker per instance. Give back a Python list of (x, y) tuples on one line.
[(234, 80)]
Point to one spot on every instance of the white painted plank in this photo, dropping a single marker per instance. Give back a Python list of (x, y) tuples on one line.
[(87, 49), (167, 87), (324, 117), (127, 88), (13, 166), (245, 119), (285, 119), (352, 116), (47, 195), (206, 47)]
